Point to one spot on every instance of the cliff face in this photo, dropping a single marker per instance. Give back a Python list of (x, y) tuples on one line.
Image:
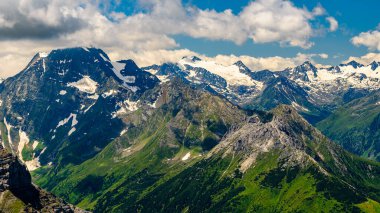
[(18, 194)]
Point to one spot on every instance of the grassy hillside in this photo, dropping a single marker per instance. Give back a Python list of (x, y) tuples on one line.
[(356, 126)]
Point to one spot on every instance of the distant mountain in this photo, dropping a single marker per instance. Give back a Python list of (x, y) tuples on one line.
[(315, 92), (18, 194), (273, 163), (160, 143), (50, 108), (190, 136), (177, 158), (356, 126)]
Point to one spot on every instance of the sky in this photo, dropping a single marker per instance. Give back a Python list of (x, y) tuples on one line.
[(264, 34)]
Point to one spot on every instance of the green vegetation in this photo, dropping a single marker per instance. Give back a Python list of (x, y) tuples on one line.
[(10, 203), (356, 126)]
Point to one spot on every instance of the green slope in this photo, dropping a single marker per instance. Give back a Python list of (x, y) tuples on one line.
[(356, 126), (143, 171), (150, 152)]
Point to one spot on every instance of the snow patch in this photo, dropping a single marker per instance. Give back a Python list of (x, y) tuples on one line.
[(43, 54), (94, 96), (35, 163), (109, 93), (123, 131), (132, 88), (103, 57), (88, 108), (72, 130), (35, 144), (117, 68), (186, 157), (21, 144), (299, 107), (86, 84), (66, 120), (132, 106), (230, 73), (62, 92)]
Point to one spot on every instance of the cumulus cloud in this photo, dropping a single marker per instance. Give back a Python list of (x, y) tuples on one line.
[(333, 23), (39, 19), (262, 21), (49, 24), (278, 21), (276, 63), (370, 39), (365, 59)]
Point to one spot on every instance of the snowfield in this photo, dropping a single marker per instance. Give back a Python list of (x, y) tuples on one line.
[(86, 84)]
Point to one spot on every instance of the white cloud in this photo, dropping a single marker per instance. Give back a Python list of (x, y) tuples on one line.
[(365, 59), (42, 25), (323, 55), (370, 39), (278, 21), (319, 10), (275, 63), (333, 23)]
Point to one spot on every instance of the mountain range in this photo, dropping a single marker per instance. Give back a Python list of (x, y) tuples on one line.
[(195, 135)]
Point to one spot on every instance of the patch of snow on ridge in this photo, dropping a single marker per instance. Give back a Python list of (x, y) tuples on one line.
[(299, 107), (35, 163), (21, 144), (103, 57), (62, 92), (186, 157), (66, 120), (117, 68), (109, 93), (163, 78), (86, 84), (43, 54), (230, 73), (72, 130), (35, 144), (123, 131), (132, 106), (94, 96)]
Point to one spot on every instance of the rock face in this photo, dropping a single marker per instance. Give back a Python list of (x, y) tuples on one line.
[(18, 194), (280, 129)]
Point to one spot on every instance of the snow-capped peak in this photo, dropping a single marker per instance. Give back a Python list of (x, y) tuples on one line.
[(43, 54), (352, 63), (306, 66), (191, 58), (230, 73)]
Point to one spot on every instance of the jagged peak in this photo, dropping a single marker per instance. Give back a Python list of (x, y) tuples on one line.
[(282, 129), (352, 63), (241, 65), (130, 65), (43, 54), (306, 66), (191, 58)]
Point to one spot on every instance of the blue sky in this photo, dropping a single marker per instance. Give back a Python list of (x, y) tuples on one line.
[(264, 34), (353, 17)]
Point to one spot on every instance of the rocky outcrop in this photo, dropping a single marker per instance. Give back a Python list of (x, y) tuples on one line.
[(17, 193), (280, 129)]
